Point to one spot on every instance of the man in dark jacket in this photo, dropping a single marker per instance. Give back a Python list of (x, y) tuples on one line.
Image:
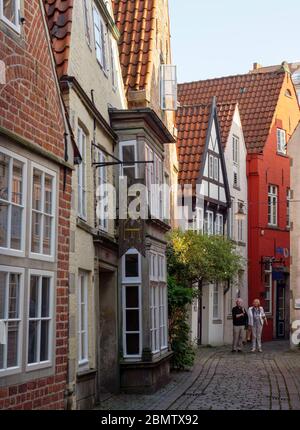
[(240, 322)]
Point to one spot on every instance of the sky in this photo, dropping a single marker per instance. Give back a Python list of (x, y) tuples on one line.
[(213, 38)]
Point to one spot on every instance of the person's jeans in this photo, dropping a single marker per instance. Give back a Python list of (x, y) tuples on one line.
[(256, 335), (238, 337)]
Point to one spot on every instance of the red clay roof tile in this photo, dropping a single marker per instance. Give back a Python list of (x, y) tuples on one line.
[(256, 94), (135, 20)]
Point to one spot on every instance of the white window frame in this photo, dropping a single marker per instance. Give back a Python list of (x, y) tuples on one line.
[(236, 160), (269, 288), (8, 250), (153, 266), (198, 220), (132, 280), (240, 224), (113, 64), (210, 224), (211, 166), (155, 318), (168, 87), (51, 319), (100, 31), (163, 317), (87, 26), (281, 141), (216, 169), (121, 146), (15, 26), (125, 332), (82, 175), (52, 173), (162, 276), (102, 179), (83, 327), (219, 225), (288, 207), (273, 205), (21, 272), (216, 304)]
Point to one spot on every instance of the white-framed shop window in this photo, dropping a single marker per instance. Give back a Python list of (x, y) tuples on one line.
[(13, 188), (82, 315), (43, 210), (273, 205), (219, 225), (10, 13), (11, 319), (128, 154), (40, 319), (100, 35), (81, 174), (131, 267), (281, 141), (132, 321), (216, 302), (101, 183)]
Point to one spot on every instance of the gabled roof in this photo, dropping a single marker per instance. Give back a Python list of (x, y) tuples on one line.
[(256, 94), (192, 123), (59, 19), (135, 20)]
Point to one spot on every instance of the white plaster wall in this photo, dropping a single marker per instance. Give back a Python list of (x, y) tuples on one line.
[(294, 153), (240, 194)]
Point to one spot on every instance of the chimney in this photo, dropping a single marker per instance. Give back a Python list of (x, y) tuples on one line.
[(257, 66)]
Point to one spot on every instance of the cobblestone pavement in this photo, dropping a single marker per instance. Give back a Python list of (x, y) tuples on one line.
[(223, 380)]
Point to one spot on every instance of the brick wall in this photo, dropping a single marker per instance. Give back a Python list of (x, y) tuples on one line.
[(29, 106)]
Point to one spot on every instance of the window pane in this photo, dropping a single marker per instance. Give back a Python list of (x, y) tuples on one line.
[(44, 353), (13, 303), (83, 346), (47, 235), (3, 224), (34, 297), (132, 297), (82, 316), (9, 10), (4, 172), (128, 153), (3, 276), (132, 344), (36, 232), (131, 265), (48, 194), (1, 356), (132, 320), (32, 342), (37, 190), (45, 312), (12, 344), (17, 185), (129, 172), (16, 227)]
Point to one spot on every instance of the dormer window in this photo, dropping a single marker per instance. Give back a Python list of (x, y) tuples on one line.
[(281, 141), (10, 13)]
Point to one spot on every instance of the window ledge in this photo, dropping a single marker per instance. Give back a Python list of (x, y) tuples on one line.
[(80, 223), (86, 374), (281, 154)]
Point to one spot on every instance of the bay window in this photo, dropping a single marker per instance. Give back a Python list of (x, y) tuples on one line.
[(42, 212), (81, 142), (40, 333), (12, 202), (131, 301), (158, 317), (128, 154), (273, 205), (10, 13), (11, 308)]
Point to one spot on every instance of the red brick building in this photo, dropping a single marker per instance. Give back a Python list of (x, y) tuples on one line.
[(269, 113), (36, 158)]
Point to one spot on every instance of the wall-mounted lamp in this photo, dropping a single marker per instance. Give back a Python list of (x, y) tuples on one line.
[(240, 215)]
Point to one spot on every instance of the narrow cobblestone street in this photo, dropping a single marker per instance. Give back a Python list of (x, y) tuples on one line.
[(222, 380)]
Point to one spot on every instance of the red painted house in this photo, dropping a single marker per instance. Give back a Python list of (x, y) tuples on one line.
[(36, 162), (269, 112)]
